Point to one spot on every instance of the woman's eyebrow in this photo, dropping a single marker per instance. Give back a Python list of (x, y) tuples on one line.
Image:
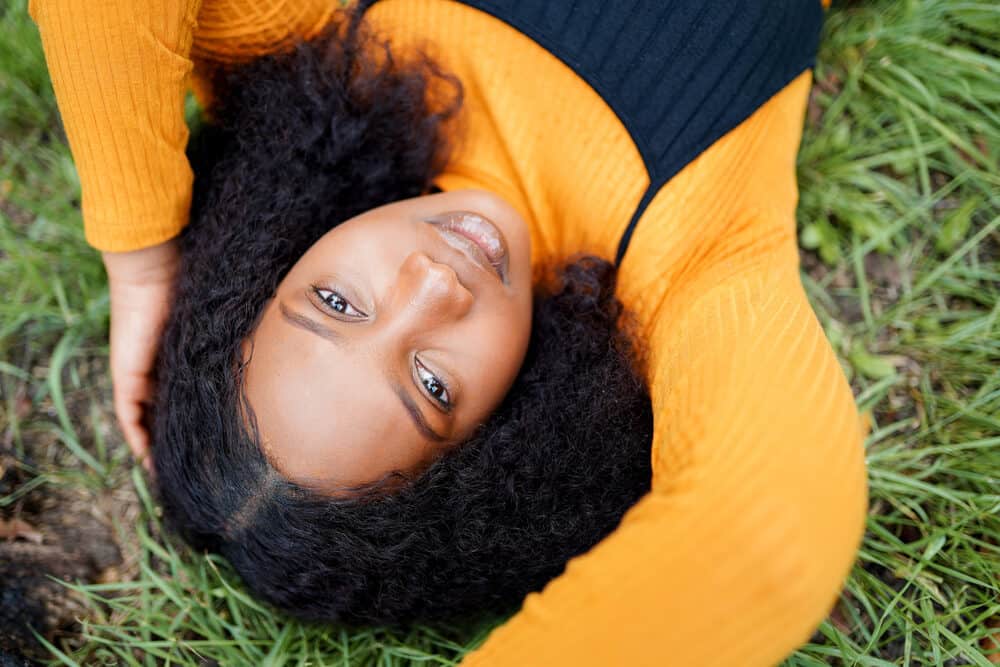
[(303, 322), (418, 418)]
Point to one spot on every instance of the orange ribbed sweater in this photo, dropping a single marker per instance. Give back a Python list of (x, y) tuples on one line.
[(759, 489)]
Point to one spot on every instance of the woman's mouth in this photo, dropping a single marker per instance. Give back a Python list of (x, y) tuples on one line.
[(475, 236)]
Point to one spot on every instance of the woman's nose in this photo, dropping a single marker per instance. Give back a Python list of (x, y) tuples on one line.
[(432, 289)]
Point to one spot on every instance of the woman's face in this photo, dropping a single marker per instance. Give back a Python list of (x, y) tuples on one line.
[(392, 338)]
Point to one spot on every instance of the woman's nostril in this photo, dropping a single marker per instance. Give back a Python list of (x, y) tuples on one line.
[(443, 273), (442, 280), (435, 271), (437, 281)]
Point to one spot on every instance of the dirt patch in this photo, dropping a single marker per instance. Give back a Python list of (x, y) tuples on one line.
[(54, 527)]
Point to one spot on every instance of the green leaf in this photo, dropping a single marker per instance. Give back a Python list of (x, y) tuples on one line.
[(956, 226), (870, 365), (811, 237)]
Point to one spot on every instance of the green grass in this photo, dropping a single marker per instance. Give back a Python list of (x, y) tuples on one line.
[(900, 221)]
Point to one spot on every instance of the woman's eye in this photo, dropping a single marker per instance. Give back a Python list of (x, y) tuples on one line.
[(337, 303), (434, 386)]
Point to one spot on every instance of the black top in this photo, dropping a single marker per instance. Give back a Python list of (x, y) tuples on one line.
[(679, 74)]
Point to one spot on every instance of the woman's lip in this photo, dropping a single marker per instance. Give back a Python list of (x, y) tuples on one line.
[(477, 237)]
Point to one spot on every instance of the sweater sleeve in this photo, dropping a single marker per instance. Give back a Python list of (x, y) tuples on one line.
[(120, 70), (757, 505)]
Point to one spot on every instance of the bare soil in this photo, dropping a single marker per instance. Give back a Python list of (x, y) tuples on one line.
[(56, 529)]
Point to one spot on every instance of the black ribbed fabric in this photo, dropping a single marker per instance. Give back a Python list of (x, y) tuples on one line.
[(679, 74)]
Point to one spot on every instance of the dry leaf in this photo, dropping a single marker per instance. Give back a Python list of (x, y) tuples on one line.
[(15, 528)]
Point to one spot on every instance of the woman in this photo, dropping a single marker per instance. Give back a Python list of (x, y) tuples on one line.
[(679, 167), (329, 409)]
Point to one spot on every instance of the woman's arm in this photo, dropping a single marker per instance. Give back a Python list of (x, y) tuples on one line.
[(120, 70), (757, 507)]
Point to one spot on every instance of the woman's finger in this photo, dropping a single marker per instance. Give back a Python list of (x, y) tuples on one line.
[(129, 410)]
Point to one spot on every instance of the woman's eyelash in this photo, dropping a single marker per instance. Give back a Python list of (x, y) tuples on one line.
[(336, 302), (437, 389)]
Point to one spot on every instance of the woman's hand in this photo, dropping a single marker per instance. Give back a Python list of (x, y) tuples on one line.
[(141, 285)]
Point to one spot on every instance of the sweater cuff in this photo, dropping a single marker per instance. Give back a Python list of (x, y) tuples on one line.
[(111, 230)]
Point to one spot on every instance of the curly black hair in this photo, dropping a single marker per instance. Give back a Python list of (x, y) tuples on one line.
[(298, 143)]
